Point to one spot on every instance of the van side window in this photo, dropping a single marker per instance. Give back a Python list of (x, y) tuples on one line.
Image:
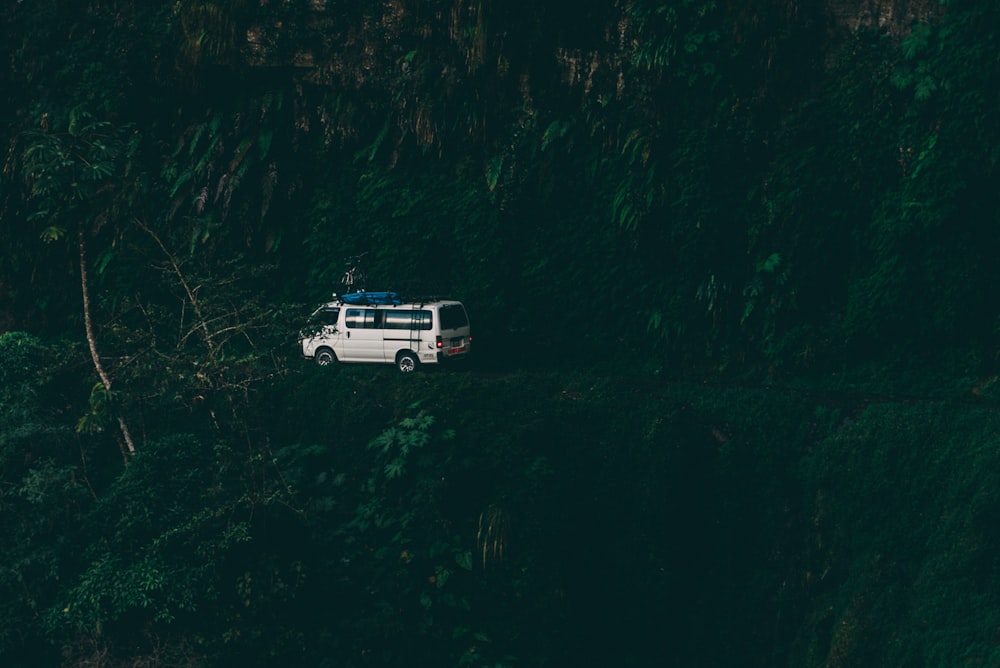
[(328, 316), (364, 318), (407, 319)]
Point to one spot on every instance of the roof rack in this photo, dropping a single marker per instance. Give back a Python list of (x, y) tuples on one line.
[(425, 299)]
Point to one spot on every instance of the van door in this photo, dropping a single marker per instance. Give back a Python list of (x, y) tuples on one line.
[(404, 329), (362, 338), (322, 331), (454, 332)]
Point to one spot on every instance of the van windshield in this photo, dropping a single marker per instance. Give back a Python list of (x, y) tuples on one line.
[(453, 317)]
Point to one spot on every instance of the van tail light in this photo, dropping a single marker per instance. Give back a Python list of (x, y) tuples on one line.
[(440, 343)]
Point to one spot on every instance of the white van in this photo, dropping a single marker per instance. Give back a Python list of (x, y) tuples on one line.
[(380, 327)]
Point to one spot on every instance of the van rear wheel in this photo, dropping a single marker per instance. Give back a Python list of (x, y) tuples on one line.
[(407, 362), (325, 357)]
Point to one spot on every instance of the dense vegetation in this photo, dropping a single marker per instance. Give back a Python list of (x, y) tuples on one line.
[(731, 270)]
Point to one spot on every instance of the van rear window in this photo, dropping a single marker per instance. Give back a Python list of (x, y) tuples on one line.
[(453, 317)]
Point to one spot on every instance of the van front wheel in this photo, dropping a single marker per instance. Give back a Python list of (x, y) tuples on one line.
[(407, 362), (325, 356)]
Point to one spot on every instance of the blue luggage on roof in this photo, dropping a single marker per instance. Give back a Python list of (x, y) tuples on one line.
[(371, 298)]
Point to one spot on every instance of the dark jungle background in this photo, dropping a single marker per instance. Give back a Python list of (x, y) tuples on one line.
[(732, 270)]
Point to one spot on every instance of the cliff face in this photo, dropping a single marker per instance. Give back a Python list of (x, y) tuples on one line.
[(894, 16)]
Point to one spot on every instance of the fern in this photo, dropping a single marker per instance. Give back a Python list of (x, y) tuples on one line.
[(264, 143)]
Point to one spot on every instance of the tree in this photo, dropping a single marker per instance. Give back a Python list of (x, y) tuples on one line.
[(74, 179)]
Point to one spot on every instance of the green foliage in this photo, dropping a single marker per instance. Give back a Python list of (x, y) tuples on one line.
[(43, 492), (675, 38), (67, 170), (678, 188), (148, 528), (423, 564), (96, 419), (905, 498)]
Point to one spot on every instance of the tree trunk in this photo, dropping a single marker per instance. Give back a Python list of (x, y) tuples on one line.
[(88, 325)]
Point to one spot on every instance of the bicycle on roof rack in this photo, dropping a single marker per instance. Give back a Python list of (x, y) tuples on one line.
[(354, 277)]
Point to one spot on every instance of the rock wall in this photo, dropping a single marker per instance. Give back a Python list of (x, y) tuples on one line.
[(893, 16)]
